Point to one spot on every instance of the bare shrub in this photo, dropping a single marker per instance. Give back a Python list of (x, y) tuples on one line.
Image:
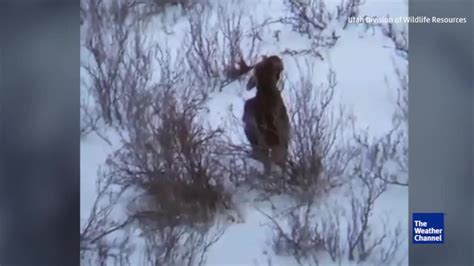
[(82, 12), (319, 155), (314, 19), (391, 150), (169, 154), (386, 158), (169, 157), (396, 32), (164, 14), (236, 157), (359, 240), (401, 114), (118, 62), (168, 160), (96, 246), (107, 32), (153, 7), (388, 155), (400, 120), (89, 120), (179, 245), (399, 36), (216, 53), (363, 243), (389, 252), (399, 137), (309, 233), (375, 169)]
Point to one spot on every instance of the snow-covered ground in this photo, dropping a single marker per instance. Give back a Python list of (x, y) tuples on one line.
[(364, 64)]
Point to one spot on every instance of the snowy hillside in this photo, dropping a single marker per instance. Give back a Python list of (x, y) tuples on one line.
[(152, 73)]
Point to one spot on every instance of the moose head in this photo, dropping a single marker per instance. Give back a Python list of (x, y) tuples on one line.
[(266, 73)]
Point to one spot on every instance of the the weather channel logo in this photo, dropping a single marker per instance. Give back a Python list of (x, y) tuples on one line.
[(428, 228)]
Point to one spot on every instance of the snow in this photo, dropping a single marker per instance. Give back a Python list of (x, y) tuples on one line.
[(364, 64), (374, 105)]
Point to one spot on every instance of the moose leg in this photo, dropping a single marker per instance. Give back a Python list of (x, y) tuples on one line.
[(263, 153), (258, 153), (250, 128), (267, 165), (279, 156)]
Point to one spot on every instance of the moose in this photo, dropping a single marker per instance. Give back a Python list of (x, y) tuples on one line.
[(265, 118)]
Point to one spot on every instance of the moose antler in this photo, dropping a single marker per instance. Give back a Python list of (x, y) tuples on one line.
[(237, 68)]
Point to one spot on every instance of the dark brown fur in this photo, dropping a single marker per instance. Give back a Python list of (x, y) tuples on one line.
[(265, 116)]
